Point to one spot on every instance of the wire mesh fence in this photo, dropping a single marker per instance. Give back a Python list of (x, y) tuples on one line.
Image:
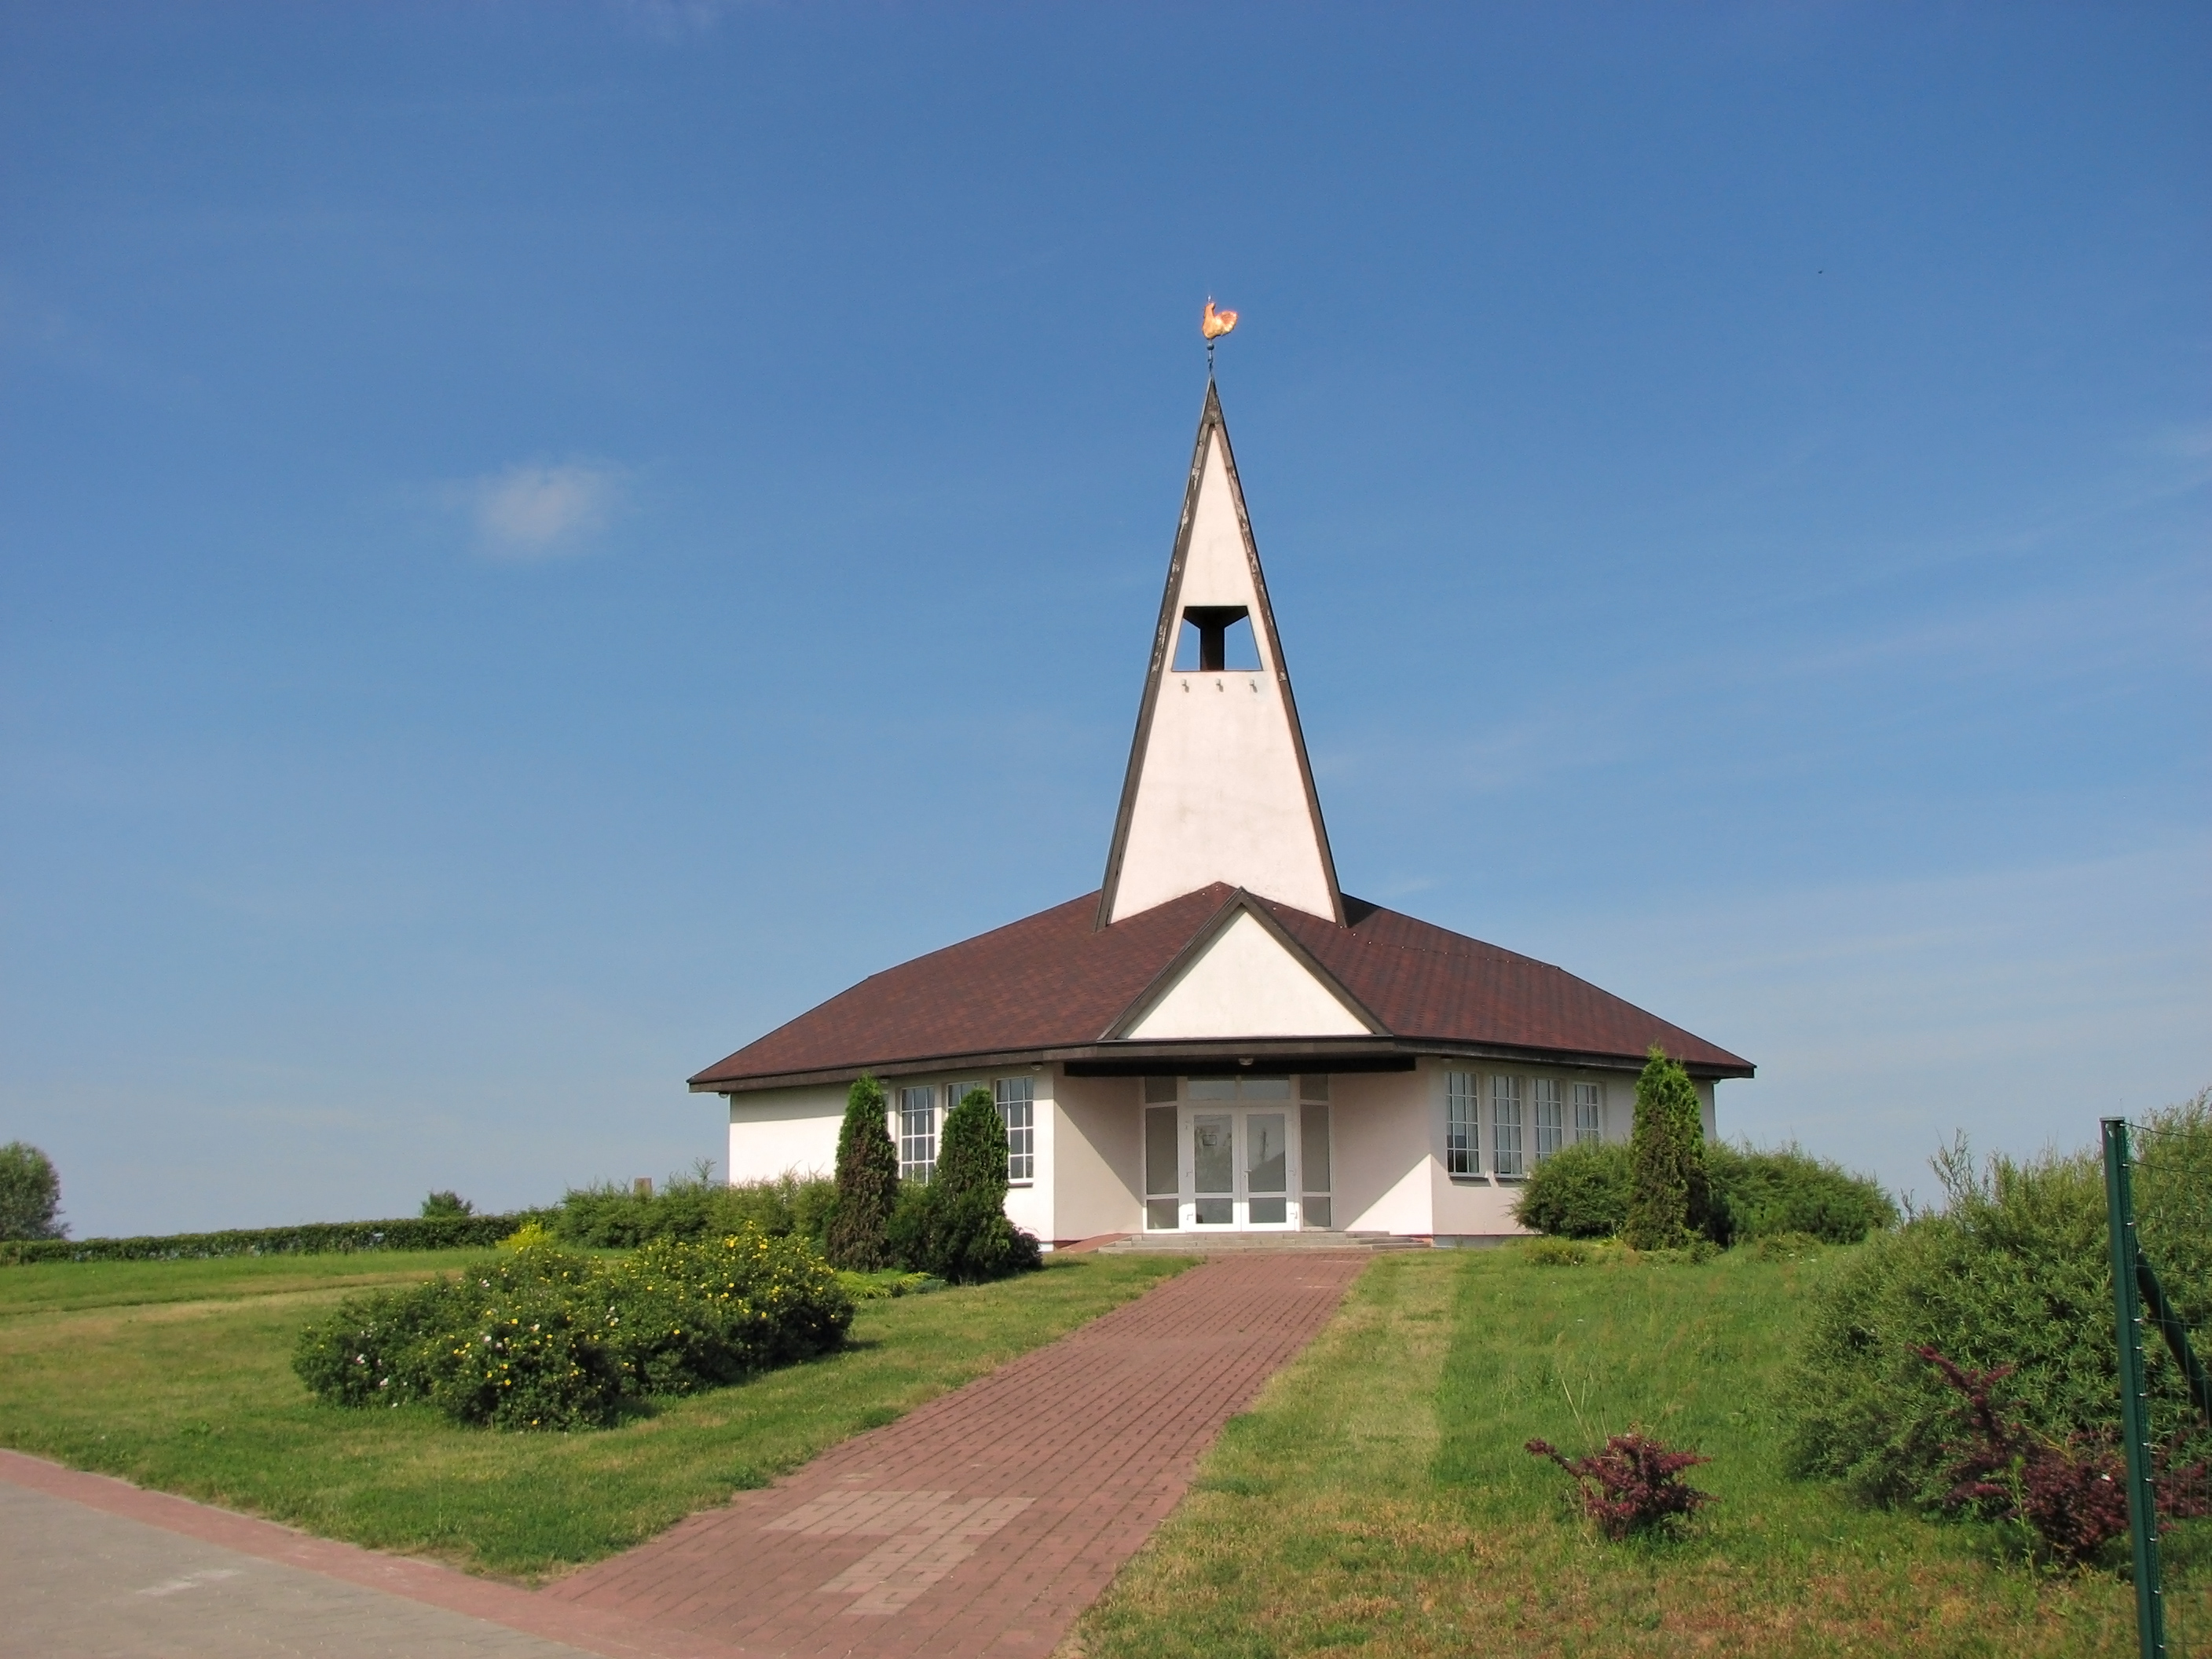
[(2159, 1190)]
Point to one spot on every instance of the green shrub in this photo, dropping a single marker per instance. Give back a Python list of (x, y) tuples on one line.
[(1788, 1190), (955, 1227), (1786, 1247), (1581, 1191), (2012, 1271), (535, 1357), (447, 1204), (890, 1282), (374, 1349), (539, 1337), (695, 1207), (1669, 1201), (30, 1194), (911, 1227), (858, 1237), (690, 1316), (1555, 1253)]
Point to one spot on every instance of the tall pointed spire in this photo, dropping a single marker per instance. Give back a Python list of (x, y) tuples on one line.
[(1219, 788)]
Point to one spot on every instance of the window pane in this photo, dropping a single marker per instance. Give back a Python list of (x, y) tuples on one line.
[(956, 1092), (1160, 1215), (1315, 1213), (918, 1132), (1017, 1101), (1590, 1111), (1313, 1147), (1158, 1089), (1216, 1212), (1314, 1087), (1160, 1151), (1212, 1153), (1506, 1125), (1212, 1088), (1463, 1153), (1550, 1131), (1263, 1088), (1270, 1212), (1266, 1153)]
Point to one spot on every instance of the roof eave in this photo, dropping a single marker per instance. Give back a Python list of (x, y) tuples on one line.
[(1170, 1054)]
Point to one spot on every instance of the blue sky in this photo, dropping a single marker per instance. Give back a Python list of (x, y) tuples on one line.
[(539, 542)]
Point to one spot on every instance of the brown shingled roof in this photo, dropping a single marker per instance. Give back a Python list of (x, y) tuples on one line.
[(1052, 985)]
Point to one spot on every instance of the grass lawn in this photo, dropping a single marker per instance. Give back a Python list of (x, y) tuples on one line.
[(1376, 1500), (178, 1376)]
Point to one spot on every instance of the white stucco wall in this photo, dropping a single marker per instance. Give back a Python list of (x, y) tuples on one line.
[(1220, 797), (1379, 1135), (785, 1129), (1246, 984), (1097, 1156)]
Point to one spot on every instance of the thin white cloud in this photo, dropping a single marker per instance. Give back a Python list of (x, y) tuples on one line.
[(535, 512)]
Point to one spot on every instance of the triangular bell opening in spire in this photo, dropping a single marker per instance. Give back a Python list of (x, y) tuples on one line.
[(1219, 786)]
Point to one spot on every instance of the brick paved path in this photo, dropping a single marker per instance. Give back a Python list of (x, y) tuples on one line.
[(985, 1522)]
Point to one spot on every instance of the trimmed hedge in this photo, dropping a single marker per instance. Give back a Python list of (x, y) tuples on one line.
[(541, 1338), (406, 1233), (608, 1217)]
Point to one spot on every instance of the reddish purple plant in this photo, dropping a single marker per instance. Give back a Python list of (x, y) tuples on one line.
[(1634, 1485), (2072, 1492)]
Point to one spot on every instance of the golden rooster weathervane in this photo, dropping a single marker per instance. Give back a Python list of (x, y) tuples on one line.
[(1213, 325)]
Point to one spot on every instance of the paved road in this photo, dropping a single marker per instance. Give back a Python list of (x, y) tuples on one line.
[(79, 1583)]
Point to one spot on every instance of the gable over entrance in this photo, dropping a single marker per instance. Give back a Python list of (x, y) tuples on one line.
[(1245, 978)]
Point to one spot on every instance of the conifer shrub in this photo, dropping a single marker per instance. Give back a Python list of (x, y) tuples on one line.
[(1669, 1201), (955, 1227), (541, 1338), (858, 1223), (447, 1204), (2011, 1273)]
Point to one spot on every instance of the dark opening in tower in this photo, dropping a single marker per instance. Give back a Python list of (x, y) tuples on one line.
[(1215, 639)]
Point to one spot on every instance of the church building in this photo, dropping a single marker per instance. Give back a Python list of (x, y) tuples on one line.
[(1220, 1039)]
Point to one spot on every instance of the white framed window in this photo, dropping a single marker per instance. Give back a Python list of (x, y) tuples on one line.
[(1462, 1139), (917, 1132), (956, 1092), (1551, 1130), (1506, 1126), (1017, 1097), (1590, 1111)]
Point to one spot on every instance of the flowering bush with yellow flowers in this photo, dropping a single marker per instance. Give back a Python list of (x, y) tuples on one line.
[(697, 1316), (541, 1338)]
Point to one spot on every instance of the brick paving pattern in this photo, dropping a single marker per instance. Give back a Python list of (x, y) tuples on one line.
[(985, 1522)]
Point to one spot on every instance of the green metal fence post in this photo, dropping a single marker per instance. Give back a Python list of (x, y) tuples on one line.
[(2135, 1417)]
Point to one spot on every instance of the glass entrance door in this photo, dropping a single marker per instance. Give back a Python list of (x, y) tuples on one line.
[(1237, 1152), (1238, 1170)]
